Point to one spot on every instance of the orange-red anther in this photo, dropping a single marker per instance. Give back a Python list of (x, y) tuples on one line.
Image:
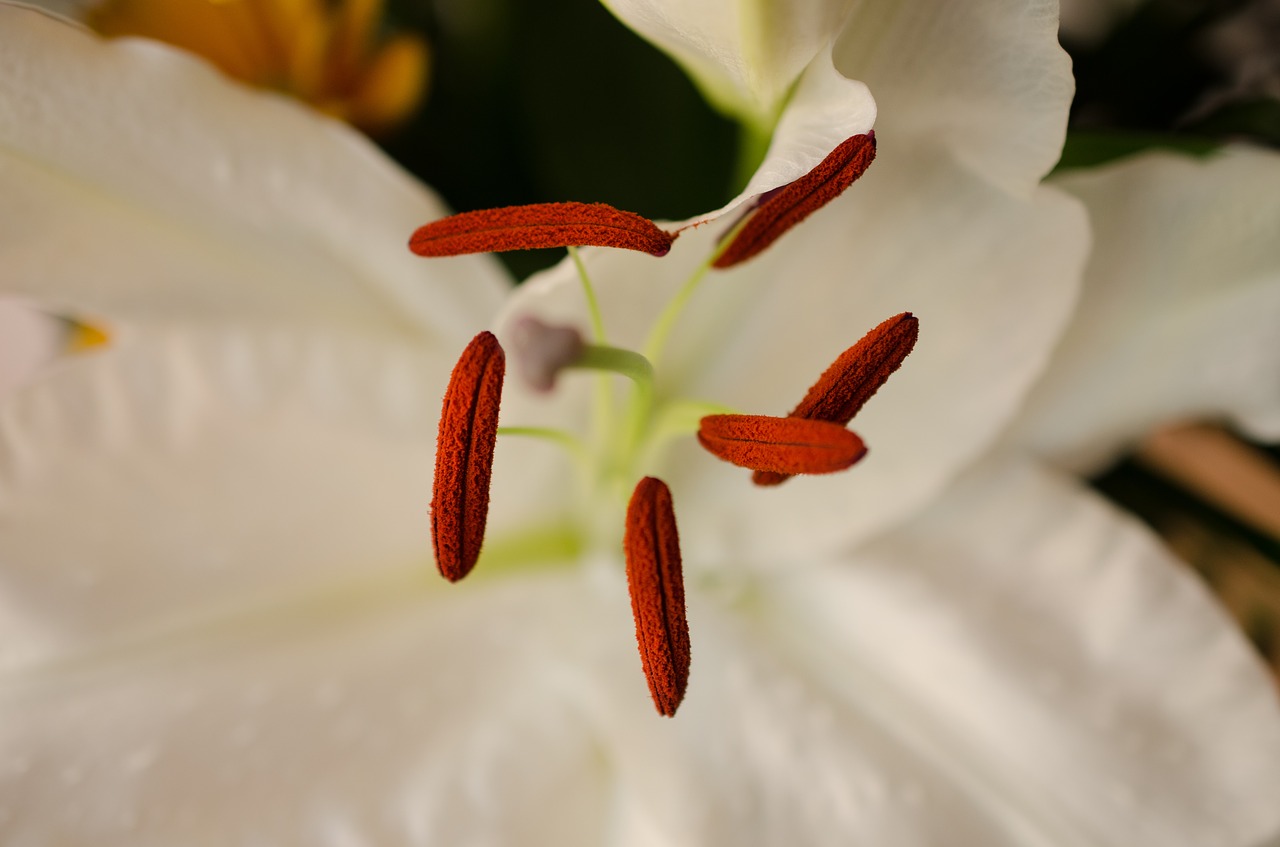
[(854, 377), (789, 205), (780, 445), (464, 456), (540, 225), (656, 582)]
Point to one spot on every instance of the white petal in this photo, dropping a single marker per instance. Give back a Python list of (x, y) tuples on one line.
[(983, 83), (1181, 306), (138, 182), (744, 55), (1019, 666), (826, 109), (390, 718), (29, 341), (991, 278), (186, 475)]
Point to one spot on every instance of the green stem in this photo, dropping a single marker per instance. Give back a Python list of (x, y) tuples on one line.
[(593, 305), (602, 413), (640, 371), (754, 139), (657, 340)]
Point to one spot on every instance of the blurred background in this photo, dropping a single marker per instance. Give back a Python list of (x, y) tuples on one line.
[(497, 102)]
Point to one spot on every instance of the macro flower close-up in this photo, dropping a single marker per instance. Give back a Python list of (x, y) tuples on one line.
[(266, 579)]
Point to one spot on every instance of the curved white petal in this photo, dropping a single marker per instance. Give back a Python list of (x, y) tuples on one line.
[(992, 280), (744, 54), (122, 200), (982, 83), (29, 341), (182, 476), (392, 718), (1180, 313), (1020, 665), (826, 109)]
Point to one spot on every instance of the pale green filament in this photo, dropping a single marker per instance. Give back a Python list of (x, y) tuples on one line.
[(571, 443), (602, 414), (614, 455), (666, 322), (593, 305), (637, 369)]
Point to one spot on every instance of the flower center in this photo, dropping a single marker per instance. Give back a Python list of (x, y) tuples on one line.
[(626, 435)]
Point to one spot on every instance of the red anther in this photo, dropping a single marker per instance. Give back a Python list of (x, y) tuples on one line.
[(780, 445), (789, 205), (656, 582), (854, 377), (464, 456), (540, 225)]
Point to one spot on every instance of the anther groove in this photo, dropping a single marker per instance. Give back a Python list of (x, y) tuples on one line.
[(656, 582), (540, 225), (464, 456), (790, 204), (780, 445), (854, 377)]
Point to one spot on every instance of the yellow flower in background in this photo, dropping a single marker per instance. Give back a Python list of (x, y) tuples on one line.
[(330, 53)]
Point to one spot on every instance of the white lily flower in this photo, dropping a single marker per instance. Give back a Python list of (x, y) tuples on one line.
[(216, 605)]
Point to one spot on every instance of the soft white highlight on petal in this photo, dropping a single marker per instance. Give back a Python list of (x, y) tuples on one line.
[(743, 54), (29, 340), (826, 109), (992, 291), (391, 718), (122, 199), (1056, 680), (176, 476), (1180, 316), (983, 82)]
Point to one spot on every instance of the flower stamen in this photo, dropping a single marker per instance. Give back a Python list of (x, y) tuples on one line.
[(537, 226), (464, 456), (656, 583), (784, 207), (780, 445), (854, 377)]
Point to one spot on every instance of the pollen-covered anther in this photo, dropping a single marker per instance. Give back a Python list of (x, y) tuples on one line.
[(784, 207), (780, 445), (656, 583), (854, 377), (464, 456), (542, 350), (540, 225)]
